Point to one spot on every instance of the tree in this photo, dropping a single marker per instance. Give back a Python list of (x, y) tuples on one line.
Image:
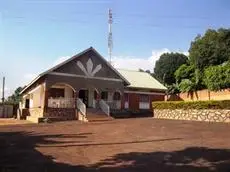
[(15, 97), (141, 70), (217, 77), (173, 89), (187, 85), (210, 49), (185, 71), (167, 65), (189, 78), (147, 71)]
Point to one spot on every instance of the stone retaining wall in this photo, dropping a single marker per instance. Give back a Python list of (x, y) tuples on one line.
[(209, 115), (65, 113)]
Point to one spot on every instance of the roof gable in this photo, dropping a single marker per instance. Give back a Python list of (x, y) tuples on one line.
[(88, 62)]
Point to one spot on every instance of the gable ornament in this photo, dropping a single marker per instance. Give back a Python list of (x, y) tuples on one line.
[(89, 69)]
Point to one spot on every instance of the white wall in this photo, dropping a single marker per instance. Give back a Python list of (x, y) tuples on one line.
[(68, 92), (35, 98), (110, 96)]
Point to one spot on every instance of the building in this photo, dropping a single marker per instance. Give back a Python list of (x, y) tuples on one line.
[(85, 81)]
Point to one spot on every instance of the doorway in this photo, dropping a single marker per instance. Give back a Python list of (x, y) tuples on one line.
[(84, 96), (27, 104)]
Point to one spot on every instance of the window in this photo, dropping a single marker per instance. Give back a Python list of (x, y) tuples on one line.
[(116, 96), (144, 101), (144, 98), (57, 92), (104, 95)]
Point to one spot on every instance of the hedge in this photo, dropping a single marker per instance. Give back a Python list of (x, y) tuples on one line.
[(224, 104)]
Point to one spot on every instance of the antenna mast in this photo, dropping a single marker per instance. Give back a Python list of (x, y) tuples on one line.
[(110, 38)]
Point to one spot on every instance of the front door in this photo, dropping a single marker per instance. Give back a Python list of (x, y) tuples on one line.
[(83, 95)]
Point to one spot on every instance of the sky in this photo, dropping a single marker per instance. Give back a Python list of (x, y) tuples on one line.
[(37, 34)]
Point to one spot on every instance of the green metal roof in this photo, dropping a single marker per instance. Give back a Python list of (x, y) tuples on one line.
[(141, 79)]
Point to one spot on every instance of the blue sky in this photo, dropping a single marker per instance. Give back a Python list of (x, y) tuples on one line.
[(36, 34)]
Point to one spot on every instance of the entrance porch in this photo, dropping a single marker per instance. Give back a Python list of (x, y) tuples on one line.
[(65, 102)]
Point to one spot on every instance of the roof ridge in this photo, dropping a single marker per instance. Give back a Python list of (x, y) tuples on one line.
[(132, 70)]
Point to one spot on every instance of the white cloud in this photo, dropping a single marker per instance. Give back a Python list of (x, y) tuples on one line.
[(125, 62), (136, 63), (128, 62)]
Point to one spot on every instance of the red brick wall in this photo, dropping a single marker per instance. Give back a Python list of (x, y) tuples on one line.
[(134, 100), (156, 98)]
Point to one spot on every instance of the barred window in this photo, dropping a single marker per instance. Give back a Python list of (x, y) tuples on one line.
[(144, 98)]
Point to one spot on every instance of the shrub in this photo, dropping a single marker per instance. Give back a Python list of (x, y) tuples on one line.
[(224, 104), (217, 77)]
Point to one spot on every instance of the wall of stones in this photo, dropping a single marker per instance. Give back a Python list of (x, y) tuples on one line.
[(64, 113), (208, 115)]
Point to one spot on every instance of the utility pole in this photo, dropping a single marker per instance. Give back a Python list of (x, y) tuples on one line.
[(110, 37), (3, 89), (3, 96)]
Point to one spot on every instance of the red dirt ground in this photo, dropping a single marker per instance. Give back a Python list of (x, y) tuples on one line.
[(140, 144)]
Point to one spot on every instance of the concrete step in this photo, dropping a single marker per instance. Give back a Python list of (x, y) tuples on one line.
[(93, 114)]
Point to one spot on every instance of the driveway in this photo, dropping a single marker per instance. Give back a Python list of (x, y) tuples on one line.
[(140, 144)]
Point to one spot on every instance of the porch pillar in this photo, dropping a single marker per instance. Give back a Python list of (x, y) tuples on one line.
[(98, 99), (46, 96), (122, 100), (76, 94)]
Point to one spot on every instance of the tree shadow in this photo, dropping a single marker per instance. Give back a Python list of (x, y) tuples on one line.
[(190, 159), (115, 143), (18, 150), (18, 153)]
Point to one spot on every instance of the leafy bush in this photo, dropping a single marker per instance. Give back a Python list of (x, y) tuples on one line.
[(225, 104), (217, 77)]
